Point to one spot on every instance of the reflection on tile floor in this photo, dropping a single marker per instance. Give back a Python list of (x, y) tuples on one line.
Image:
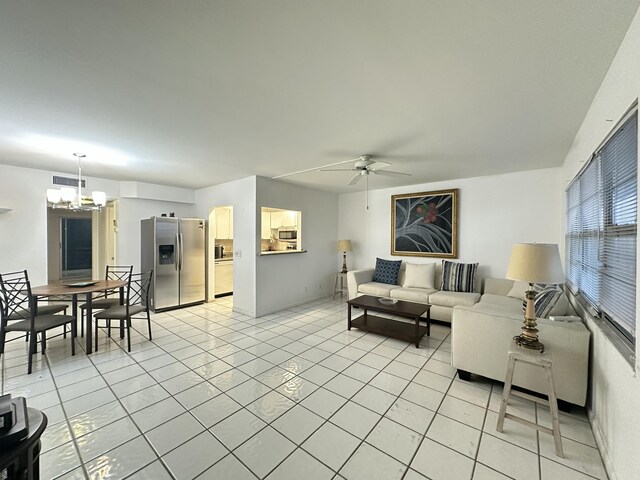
[(219, 395)]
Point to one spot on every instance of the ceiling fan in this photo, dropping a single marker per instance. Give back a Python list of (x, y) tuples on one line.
[(363, 166)]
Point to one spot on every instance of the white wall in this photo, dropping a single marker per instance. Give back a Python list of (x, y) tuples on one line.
[(287, 280), (614, 407), (241, 194), (130, 212), (23, 231), (494, 212)]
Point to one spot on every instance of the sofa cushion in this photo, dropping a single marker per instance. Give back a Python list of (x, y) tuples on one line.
[(376, 289), (518, 290), (451, 299), (513, 304), (387, 271), (419, 295), (458, 277), (420, 275)]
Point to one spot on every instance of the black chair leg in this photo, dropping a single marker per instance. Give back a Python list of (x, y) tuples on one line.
[(73, 338), (128, 321), (96, 336), (44, 340), (2, 338), (32, 349), (82, 323), (109, 328), (121, 330), (149, 323), (64, 331)]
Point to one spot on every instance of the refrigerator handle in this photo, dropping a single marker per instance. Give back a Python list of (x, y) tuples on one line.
[(177, 251), (181, 250)]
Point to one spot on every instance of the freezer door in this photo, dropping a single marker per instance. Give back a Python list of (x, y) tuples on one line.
[(167, 253), (192, 260)]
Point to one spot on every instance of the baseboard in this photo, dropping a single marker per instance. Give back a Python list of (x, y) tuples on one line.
[(297, 303), (602, 446), (243, 312)]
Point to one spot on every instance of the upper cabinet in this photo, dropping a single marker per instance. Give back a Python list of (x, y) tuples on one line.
[(266, 226), (224, 223)]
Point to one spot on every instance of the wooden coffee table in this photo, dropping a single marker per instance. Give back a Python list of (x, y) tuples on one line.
[(387, 326)]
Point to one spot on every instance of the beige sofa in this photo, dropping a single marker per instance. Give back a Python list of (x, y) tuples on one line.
[(359, 282), (481, 335)]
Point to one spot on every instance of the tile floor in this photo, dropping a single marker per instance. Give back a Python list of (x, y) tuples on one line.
[(218, 395)]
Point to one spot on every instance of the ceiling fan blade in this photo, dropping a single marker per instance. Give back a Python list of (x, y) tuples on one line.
[(387, 173), (378, 165), (356, 178), (337, 170), (314, 169)]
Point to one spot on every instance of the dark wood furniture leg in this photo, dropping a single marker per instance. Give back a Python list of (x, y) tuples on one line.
[(349, 318), (418, 331), (429, 322)]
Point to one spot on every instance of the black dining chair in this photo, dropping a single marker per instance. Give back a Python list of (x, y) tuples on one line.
[(136, 302), (18, 313), (106, 298)]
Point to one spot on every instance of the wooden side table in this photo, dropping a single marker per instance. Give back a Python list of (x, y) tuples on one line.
[(544, 362), (341, 278)]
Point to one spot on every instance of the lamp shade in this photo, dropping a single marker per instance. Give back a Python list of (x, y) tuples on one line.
[(535, 263), (99, 198), (344, 245), (54, 195)]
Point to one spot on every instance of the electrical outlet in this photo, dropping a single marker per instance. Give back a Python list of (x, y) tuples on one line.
[(238, 253)]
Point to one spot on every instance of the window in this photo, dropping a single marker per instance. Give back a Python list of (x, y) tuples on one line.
[(602, 229)]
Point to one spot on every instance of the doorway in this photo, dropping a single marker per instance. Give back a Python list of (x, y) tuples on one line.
[(80, 244), (220, 252), (75, 248)]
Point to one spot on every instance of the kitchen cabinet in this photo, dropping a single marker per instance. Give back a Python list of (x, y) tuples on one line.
[(224, 223), (223, 277), (265, 226)]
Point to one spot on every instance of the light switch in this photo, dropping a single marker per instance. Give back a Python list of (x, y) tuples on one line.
[(238, 253)]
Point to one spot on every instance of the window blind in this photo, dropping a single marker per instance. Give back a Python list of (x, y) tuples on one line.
[(601, 229)]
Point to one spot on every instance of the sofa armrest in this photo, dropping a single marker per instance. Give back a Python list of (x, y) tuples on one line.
[(480, 339), (357, 277)]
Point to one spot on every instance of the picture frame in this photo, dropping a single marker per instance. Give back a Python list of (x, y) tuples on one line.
[(425, 224)]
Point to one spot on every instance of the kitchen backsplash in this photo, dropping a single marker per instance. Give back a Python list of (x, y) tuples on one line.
[(227, 244)]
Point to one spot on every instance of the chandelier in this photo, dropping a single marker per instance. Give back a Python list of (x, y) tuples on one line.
[(72, 198)]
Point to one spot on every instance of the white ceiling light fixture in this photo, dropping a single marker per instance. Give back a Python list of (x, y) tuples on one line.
[(72, 198)]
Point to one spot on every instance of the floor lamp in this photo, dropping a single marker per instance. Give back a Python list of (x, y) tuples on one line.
[(534, 263)]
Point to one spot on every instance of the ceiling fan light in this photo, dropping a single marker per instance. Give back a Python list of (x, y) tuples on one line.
[(54, 195), (99, 198), (68, 194)]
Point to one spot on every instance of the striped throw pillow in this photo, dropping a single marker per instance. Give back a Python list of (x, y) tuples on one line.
[(458, 277), (546, 299)]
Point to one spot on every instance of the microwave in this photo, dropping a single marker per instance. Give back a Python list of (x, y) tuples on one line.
[(287, 234)]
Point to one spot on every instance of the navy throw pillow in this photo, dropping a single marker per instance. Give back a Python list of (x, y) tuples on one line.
[(387, 271)]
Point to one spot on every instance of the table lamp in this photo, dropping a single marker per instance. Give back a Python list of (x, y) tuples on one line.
[(344, 246), (534, 263)]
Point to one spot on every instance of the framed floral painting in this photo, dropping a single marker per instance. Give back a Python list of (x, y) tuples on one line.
[(425, 224)]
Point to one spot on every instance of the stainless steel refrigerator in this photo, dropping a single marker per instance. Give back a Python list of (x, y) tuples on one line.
[(175, 249)]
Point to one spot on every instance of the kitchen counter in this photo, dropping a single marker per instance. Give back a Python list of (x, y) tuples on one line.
[(267, 253), (224, 259)]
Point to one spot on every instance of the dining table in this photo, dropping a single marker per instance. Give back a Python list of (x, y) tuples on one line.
[(80, 288)]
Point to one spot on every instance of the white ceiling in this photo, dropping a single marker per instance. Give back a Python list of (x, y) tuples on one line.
[(195, 93)]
